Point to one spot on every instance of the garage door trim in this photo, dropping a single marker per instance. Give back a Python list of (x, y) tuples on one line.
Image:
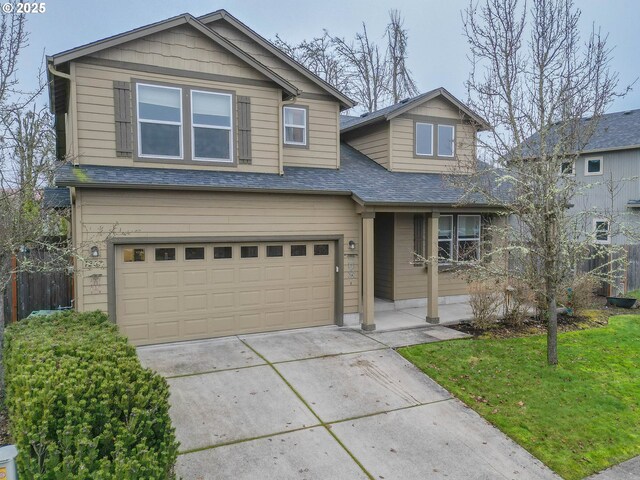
[(113, 242)]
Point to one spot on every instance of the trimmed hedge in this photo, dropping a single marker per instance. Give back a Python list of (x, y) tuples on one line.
[(80, 404)]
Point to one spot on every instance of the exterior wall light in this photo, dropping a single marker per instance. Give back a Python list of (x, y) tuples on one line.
[(95, 252), (352, 245)]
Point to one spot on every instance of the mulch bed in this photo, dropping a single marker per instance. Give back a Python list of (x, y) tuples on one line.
[(597, 317)]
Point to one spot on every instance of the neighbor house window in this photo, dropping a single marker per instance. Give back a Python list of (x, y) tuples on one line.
[(468, 237), (211, 122), (567, 168), (295, 126), (424, 139), (159, 121), (593, 166), (446, 140), (601, 227), (445, 239)]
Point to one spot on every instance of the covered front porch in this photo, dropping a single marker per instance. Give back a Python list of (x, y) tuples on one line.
[(401, 289)]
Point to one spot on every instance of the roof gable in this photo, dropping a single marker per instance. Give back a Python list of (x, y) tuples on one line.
[(185, 19), (404, 106), (223, 15)]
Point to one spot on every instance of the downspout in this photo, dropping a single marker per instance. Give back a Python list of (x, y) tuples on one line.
[(72, 92), (281, 133)]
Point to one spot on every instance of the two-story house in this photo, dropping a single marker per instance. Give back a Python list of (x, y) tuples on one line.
[(213, 182), (610, 166)]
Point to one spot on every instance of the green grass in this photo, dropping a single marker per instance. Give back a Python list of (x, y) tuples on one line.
[(578, 418), (633, 294)]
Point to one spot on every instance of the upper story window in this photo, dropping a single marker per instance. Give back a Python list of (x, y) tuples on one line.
[(424, 138), (159, 121), (601, 227), (568, 168), (211, 121), (593, 166), (446, 140), (295, 126)]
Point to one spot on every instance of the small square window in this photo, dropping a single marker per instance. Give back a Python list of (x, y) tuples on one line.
[(222, 252), (298, 250), (194, 253), (133, 255), (164, 254), (321, 249), (274, 251), (567, 168), (249, 251), (593, 166)]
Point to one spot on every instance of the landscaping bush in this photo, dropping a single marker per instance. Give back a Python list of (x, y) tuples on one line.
[(578, 294), (484, 299), (517, 302), (80, 404)]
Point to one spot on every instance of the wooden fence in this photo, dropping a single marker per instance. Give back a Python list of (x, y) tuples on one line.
[(629, 279), (37, 291)]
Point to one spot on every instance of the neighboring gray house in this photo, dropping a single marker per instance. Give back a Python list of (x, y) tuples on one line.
[(612, 156)]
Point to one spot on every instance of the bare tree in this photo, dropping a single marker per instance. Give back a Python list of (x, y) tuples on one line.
[(369, 69), (401, 83), (543, 92)]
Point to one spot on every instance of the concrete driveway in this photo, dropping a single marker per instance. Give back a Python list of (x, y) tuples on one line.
[(324, 403)]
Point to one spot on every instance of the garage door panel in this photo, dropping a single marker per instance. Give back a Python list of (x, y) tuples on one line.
[(179, 299)]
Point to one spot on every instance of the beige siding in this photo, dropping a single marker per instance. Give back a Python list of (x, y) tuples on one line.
[(383, 255), (96, 122), (265, 57), (373, 142), (411, 281), (403, 145), (158, 214), (323, 137)]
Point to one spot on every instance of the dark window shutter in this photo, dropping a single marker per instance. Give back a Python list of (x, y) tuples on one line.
[(122, 106), (244, 130)]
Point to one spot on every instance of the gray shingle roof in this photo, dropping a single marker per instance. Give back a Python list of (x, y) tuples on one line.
[(616, 130), (359, 176), (56, 197)]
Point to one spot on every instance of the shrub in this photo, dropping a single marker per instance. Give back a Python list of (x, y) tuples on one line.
[(578, 294), (80, 404), (484, 300), (518, 300)]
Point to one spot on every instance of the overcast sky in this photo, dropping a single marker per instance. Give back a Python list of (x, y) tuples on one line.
[(437, 50)]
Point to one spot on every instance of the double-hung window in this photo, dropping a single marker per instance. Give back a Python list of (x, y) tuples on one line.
[(601, 227), (159, 116), (424, 139), (468, 238), (295, 126), (445, 239), (211, 123), (446, 140)]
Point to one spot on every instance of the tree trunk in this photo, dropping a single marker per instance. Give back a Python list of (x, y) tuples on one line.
[(552, 330)]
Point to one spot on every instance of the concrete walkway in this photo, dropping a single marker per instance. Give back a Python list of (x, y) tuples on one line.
[(629, 470), (324, 403)]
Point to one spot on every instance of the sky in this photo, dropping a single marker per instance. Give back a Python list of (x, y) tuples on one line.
[(437, 49)]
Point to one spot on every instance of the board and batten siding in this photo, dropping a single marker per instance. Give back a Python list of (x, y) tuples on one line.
[(623, 167), (169, 214), (373, 142), (411, 281), (323, 137)]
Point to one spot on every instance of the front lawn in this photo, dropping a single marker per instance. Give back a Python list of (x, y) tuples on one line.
[(578, 418)]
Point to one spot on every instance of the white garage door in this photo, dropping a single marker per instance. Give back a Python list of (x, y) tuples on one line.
[(172, 292)]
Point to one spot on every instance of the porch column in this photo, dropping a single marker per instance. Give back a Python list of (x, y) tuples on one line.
[(367, 272), (432, 268)]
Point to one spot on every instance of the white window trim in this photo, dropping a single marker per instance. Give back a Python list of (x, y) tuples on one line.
[(451, 252), (572, 173), (159, 122), (430, 154), (199, 125), (453, 141), (586, 166), (479, 217), (595, 231), (293, 125)]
